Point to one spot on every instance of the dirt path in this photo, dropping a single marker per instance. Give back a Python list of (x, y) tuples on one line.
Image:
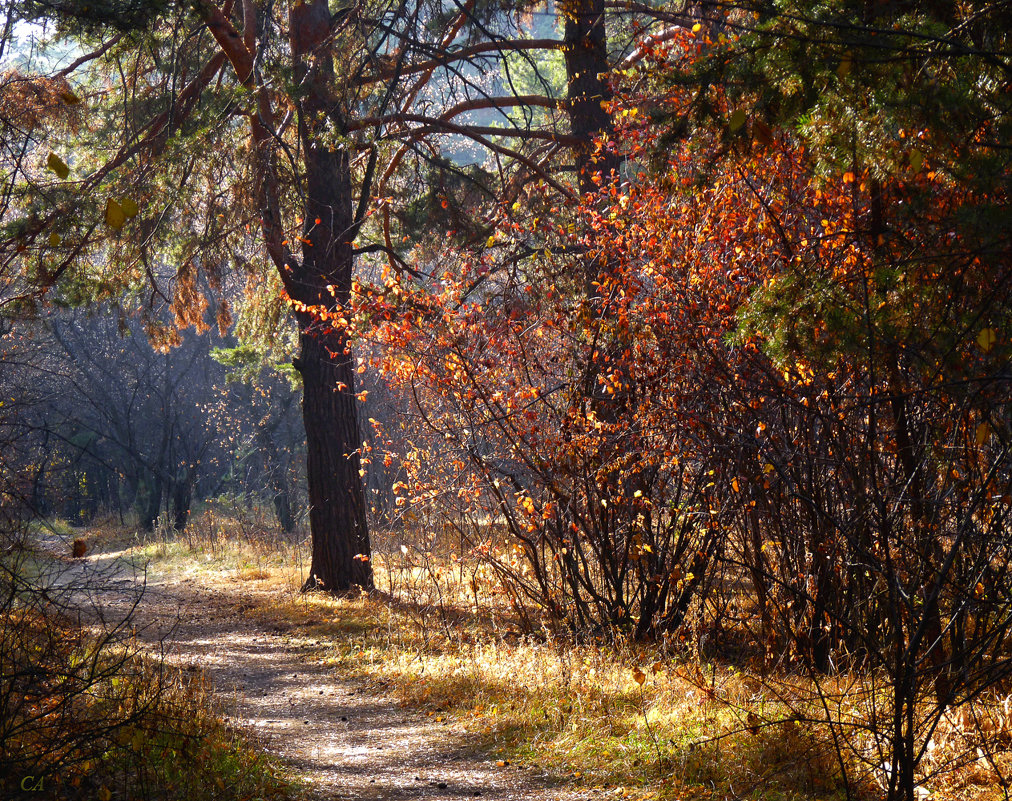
[(346, 741)]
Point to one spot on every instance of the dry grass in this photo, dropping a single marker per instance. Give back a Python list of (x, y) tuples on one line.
[(640, 722), (87, 715)]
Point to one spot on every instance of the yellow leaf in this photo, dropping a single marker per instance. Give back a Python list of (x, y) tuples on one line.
[(114, 216), (129, 206), (639, 676), (983, 433), (104, 794), (58, 165), (987, 339), (916, 160), (697, 28), (54, 240), (737, 120), (491, 241)]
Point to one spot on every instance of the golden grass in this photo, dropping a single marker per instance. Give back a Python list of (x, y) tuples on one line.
[(635, 721)]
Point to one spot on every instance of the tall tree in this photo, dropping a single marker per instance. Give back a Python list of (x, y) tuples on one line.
[(337, 105)]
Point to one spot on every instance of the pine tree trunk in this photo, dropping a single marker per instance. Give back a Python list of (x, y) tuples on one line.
[(337, 501), (319, 285), (337, 511), (587, 63)]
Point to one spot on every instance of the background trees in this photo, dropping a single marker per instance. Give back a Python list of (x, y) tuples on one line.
[(121, 428)]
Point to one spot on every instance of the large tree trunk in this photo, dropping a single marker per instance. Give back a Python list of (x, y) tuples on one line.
[(323, 283), (319, 285), (587, 64), (337, 512), (337, 502)]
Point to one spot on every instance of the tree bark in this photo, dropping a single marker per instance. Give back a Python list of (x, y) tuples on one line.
[(154, 503), (182, 495), (586, 49), (322, 282), (337, 510), (337, 502)]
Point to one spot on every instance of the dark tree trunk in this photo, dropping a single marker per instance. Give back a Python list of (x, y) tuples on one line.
[(336, 499), (154, 504), (586, 64), (337, 508), (182, 495), (283, 509)]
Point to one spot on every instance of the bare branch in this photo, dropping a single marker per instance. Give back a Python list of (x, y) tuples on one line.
[(463, 54)]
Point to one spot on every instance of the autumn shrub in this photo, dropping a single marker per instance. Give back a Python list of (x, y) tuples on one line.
[(536, 453), (857, 409), (745, 396)]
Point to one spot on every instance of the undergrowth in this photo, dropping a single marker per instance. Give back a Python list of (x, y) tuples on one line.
[(650, 722), (86, 715)]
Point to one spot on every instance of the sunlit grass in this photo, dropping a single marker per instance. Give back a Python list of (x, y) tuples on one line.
[(640, 722), (576, 709)]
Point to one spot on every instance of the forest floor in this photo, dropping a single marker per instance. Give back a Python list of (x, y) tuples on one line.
[(342, 736), (431, 689)]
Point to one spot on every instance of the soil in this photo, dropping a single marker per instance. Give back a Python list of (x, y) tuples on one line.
[(342, 738)]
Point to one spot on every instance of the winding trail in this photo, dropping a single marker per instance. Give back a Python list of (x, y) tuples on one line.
[(341, 737)]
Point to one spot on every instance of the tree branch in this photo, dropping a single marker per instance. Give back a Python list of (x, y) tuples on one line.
[(463, 54)]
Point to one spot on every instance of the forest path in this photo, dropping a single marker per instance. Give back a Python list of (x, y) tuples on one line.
[(340, 736)]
